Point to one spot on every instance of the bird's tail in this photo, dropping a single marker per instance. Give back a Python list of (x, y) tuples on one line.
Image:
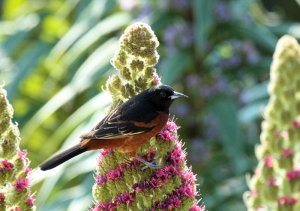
[(62, 157)]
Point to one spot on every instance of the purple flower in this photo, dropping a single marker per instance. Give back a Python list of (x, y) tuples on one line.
[(22, 154), (21, 183), (105, 206), (222, 12), (6, 165), (178, 35), (195, 207), (30, 201), (171, 126), (124, 198), (199, 151), (114, 174), (177, 156), (192, 80), (181, 4), (181, 110), (100, 179)]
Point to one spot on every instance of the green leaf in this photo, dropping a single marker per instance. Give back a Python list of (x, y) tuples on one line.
[(104, 27), (92, 13), (203, 13), (258, 33), (252, 111), (25, 65), (255, 93), (173, 66), (225, 111), (286, 28), (97, 103), (97, 63)]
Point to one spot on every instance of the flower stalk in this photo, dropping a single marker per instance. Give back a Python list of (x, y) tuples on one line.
[(276, 181), (122, 183), (15, 192)]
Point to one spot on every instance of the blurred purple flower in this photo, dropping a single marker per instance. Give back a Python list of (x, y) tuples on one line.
[(192, 80), (220, 84), (222, 12), (181, 4), (181, 110), (234, 61), (199, 151), (211, 129), (206, 91), (250, 52), (178, 35)]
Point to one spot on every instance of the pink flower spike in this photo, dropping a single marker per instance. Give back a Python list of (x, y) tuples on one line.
[(21, 183)]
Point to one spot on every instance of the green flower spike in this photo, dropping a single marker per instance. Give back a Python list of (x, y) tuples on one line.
[(120, 182), (14, 166), (275, 184)]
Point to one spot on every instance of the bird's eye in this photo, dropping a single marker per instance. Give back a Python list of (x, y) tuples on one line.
[(162, 94)]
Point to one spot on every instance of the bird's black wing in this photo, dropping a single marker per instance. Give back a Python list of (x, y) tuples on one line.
[(124, 121)]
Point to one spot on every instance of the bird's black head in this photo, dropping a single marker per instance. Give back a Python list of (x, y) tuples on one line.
[(161, 97)]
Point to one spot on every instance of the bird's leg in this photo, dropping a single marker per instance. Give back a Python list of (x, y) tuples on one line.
[(147, 164)]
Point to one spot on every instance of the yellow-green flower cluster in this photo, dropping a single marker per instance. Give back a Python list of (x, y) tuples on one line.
[(135, 60), (14, 166), (122, 183), (275, 184)]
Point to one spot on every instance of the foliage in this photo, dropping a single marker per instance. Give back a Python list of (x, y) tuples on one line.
[(216, 51)]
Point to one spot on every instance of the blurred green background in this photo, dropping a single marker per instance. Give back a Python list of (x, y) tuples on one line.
[(55, 59)]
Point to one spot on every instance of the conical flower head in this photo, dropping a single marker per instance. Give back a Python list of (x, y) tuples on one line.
[(14, 166), (276, 182), (123, 183)]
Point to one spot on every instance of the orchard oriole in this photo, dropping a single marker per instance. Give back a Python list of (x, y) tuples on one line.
[(127, 127)]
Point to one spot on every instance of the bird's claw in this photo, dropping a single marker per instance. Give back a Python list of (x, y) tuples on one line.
[(147, 164)]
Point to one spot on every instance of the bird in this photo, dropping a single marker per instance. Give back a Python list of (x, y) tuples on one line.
[(125, 128)]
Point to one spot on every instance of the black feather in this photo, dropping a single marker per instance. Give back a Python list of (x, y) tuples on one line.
[(62, 157)]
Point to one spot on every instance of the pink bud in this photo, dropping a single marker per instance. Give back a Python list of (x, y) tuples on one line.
[(21, 183), (287, 200)]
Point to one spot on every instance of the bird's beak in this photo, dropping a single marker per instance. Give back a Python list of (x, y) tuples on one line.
[(177, 95)]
